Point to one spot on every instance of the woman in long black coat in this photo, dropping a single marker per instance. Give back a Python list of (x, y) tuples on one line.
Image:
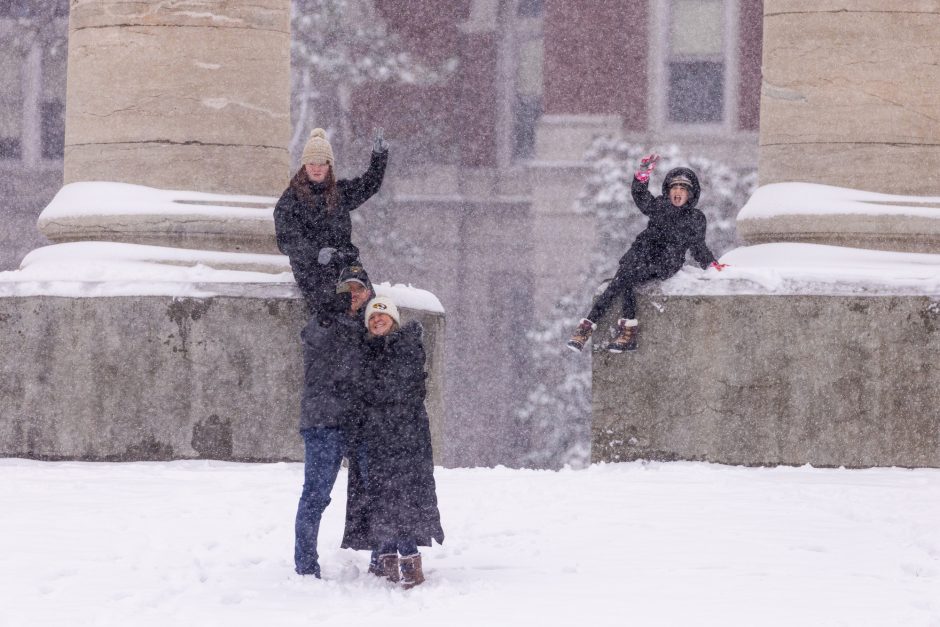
[(312, 220), (402, 512)]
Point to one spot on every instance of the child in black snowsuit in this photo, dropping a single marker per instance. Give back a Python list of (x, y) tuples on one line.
[(658, 252)]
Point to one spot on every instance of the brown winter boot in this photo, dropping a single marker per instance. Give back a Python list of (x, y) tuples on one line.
[(581, 335), (411, 573), (388, 567), (626, 336)]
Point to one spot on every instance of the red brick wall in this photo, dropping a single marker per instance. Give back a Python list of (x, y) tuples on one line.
[(426, 25), (595, 58), (454, 122), (751, 27)]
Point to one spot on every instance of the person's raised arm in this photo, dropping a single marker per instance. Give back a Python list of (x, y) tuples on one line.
[(362, 188), (639, 189)]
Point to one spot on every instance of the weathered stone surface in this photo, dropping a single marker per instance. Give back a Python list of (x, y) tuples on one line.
[(182, 95), (133, 378), (914, 234), (849, 99), (821, 380), (231, 234)]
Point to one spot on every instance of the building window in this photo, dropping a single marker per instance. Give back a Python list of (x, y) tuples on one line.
[(33, 8), (53, 127), (693, 85), (696, 70), (527, 105), (526, 113), (11, 107), (696, 90), (10, 148), (529, 8)]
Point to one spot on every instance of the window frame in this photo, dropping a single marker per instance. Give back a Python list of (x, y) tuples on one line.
[(659, 61), (32, 151)]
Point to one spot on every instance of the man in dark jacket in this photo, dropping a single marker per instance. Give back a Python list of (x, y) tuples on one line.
[(331, 410), (675, 227)]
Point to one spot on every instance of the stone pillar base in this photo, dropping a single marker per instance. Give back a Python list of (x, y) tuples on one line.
[(764, 380), (160, 378)]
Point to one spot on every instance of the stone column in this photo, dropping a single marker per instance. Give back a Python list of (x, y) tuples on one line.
[(190, 95), (849, 98)]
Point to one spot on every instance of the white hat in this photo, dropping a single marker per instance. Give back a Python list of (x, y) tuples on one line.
[(382, 304), (317, 149)]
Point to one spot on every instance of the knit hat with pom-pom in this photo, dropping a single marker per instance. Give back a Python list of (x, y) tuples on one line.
[(317, 149)]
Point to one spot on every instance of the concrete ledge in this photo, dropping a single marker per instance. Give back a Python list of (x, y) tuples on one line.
[(159, 378), (762, 380)]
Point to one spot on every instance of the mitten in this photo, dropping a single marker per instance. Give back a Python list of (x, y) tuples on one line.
[(647, 165), (325, 255), (378, 143)]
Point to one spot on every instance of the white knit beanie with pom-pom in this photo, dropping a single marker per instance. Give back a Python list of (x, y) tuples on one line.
[(317, 150)]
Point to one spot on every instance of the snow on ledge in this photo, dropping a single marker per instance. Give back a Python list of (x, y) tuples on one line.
[(410, 297), (112, 269), (778, 199), (812, 269), (101, 198)]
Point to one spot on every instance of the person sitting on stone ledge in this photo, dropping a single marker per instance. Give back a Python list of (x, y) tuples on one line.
[(675, 226), (312, 222)]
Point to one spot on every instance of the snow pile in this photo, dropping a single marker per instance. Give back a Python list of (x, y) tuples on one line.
[(780, 199), (101, 198), (211, 543), (103, 269), (788, 268)]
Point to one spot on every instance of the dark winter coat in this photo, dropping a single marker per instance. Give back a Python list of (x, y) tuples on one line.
[(304, 229), (334, 353), (671, 231), (402, 497)]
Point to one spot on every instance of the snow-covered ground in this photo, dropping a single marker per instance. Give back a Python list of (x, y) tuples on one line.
[(210, 543)]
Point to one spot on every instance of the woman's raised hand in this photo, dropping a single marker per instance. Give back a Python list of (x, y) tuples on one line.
[(378, 143)]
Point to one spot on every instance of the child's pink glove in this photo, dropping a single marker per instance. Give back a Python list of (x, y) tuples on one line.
[(718, 266), (647, 165)]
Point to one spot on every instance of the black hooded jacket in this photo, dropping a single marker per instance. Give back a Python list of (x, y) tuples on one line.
[(401, 492), (671, 231), (304, 229), (334, 354)]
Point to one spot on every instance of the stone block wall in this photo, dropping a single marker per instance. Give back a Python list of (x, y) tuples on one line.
[(159, 378), (763, 380)]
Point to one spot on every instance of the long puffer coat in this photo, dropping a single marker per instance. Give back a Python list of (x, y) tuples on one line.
[(401, 493), (671, 231), (305, 228)]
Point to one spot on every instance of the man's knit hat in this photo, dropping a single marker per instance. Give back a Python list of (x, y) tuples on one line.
[(317, 149), (382, 304)]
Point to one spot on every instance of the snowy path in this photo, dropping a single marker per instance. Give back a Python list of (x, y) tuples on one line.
[(210, 543)]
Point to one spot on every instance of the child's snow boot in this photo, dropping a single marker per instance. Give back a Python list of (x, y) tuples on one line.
[(626, 336), (388, 567), (411, 573), (581, 335)]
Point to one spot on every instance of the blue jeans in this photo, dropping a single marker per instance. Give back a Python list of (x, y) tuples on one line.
[(323, 452), (403, 546)]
